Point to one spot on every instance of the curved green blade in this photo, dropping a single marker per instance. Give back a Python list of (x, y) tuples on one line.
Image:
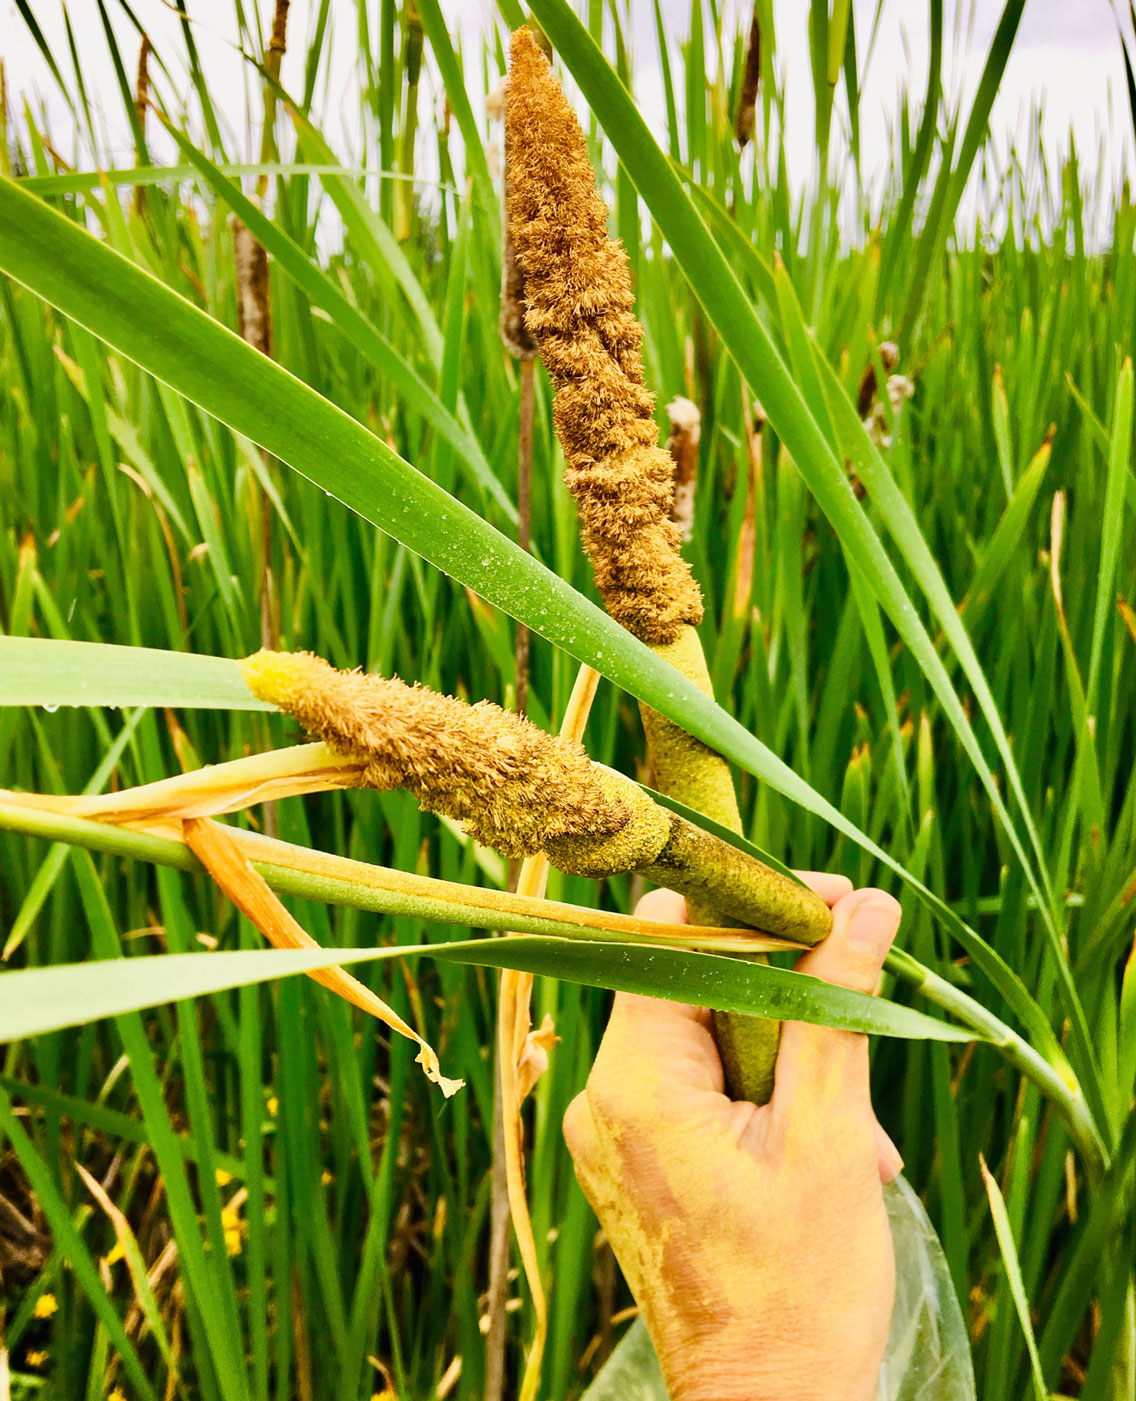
[(38, 1000), (50, 673)]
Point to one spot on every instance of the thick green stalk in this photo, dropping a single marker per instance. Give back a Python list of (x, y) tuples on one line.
[(686, 769)]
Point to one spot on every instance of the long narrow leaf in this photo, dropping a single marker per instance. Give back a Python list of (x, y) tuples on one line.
[(51, 673), (38, 1000), (1005, 1234)]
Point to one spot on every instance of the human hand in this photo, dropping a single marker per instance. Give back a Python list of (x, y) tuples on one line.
[(755, 1240)]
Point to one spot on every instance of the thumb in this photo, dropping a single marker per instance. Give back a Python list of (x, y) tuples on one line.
[(820, 1061)]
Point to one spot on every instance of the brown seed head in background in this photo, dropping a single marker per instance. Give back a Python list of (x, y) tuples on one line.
[(682, 445), (580, 311), (745, 118), (866, 394)]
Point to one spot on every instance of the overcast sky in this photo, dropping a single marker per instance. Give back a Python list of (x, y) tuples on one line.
[(1067, 63)]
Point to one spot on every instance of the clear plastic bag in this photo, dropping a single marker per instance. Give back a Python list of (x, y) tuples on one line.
[(928, 1353)]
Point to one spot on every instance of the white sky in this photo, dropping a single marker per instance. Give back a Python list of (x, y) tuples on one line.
[(1066, 64)]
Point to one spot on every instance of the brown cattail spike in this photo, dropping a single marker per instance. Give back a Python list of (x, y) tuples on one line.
[(580, 314), (254, 314), (142, 106), (522, 791), (866, 394), (278, 43), (515, 787), (142, 84)]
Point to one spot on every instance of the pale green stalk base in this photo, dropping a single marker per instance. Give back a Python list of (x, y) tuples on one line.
[(687, 769), (723, 885)]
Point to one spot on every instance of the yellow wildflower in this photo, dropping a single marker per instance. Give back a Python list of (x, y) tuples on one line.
[(45, 1306), (234, 1230)]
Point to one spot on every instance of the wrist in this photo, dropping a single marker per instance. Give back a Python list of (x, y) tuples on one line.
[(766, 1369)]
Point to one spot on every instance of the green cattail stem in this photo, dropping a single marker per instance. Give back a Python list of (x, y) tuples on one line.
[(686, 768)]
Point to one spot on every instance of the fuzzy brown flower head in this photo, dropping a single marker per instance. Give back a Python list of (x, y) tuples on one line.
[(516, 788), (580, 311)]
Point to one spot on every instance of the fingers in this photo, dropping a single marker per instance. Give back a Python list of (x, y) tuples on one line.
[(829, 886), (864, 924), (650, 1041), (653, 1053), (819, 1062), (666, 906), (890, 1161)]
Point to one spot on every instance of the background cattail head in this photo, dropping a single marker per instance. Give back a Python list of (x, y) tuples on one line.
[(866, 394), (516, 788), (580, 312), (745, 117), (682, 444), (254, 306)]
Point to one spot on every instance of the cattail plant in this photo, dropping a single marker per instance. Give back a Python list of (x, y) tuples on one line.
[(522, 791), (580, 310), (926, 678)]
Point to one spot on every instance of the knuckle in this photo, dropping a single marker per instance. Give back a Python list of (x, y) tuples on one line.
[(579, 1131), (605, 1101)]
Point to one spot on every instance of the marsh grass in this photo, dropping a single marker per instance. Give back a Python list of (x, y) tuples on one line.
[(302, 1217)]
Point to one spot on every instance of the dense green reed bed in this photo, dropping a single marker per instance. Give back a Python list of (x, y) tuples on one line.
[(951, 667)]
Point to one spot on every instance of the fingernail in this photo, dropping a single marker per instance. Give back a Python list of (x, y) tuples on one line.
[(873, 926)]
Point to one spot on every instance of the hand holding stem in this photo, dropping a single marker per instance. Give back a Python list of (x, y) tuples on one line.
[(755, 1240)]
